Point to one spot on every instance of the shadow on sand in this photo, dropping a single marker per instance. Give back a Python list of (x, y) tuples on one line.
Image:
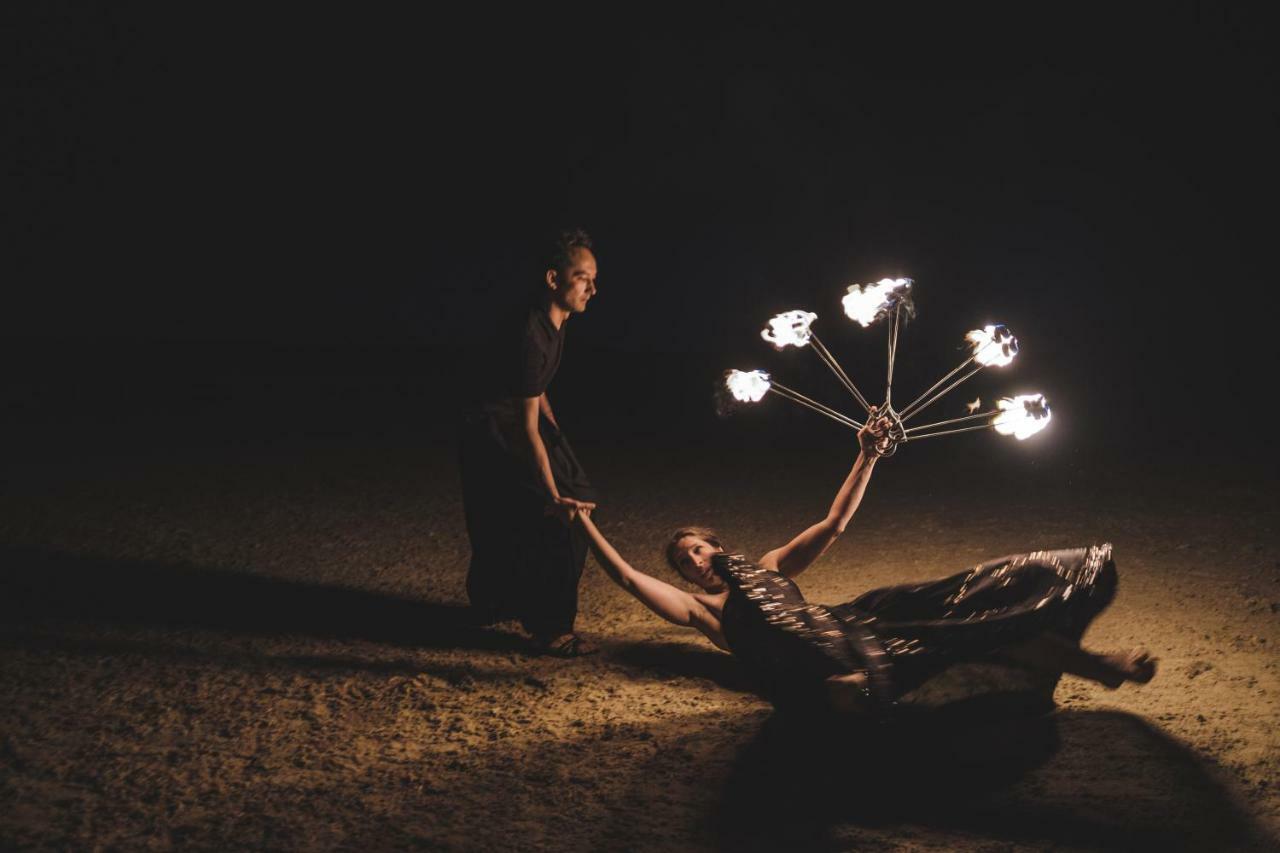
[(37, 585), (684, 660), (1097, 780)]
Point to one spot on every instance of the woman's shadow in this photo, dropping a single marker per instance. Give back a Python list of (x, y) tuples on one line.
[(982, 771), (39, 585)]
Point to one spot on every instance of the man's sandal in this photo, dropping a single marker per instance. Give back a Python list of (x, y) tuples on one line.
[(568, 646)]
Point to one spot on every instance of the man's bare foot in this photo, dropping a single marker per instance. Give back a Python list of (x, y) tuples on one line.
[(1135, 665), (567, 646), (848, 693)]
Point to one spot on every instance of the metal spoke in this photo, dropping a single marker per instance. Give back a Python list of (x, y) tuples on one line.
[(830, 361), (918, 409), (797, 397), (953, 421), (949, 432)]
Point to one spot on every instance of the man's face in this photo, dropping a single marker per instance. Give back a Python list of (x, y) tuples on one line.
[(573, 286)]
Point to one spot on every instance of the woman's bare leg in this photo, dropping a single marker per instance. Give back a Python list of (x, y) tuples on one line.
[(1054, 653)]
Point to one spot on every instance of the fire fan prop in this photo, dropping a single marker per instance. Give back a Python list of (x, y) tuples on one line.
[(889, 300)]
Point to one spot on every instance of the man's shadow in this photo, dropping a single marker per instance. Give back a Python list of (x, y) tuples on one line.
[(38, 585), (979, 771)]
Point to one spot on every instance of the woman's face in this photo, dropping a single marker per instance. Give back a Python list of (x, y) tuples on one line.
[(693, 558)]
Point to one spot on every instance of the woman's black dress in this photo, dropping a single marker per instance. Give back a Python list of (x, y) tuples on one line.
[(903, 637)]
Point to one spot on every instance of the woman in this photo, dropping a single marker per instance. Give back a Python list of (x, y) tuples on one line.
[(1025, 613)]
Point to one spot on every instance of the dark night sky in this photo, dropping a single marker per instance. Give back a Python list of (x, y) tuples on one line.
[(357, 176)]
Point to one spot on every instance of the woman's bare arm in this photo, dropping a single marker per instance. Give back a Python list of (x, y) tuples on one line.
[(800, 553), (674, 605)]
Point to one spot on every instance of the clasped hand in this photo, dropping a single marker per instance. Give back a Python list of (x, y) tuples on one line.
[(567, 509)]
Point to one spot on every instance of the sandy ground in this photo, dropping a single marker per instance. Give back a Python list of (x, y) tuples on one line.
[(230, 650)]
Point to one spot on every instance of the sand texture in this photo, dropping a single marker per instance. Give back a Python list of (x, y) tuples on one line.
[(268, 650)]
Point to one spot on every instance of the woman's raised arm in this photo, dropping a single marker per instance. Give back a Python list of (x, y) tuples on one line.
[(674, 605), (798, 554)]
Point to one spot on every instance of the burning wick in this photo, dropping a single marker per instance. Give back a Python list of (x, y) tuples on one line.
[(1022, 417), (751, 386), (794, 329), (747, 386), (867, 303), (789, 329), (993, 346)]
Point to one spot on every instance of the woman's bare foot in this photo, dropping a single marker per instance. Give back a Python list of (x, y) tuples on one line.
[(1135, 665)]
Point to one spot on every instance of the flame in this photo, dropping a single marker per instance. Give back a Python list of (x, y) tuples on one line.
[(1022, 417), (747, 387), (974, 406), (790, 328), (865, 303), (993, 346)]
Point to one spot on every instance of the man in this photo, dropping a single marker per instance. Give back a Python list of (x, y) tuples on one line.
[(519, 474)]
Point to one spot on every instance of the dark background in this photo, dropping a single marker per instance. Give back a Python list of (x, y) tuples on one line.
[(273, 224)]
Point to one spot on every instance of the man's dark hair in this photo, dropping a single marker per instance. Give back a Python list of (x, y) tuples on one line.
[(561, 253)]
